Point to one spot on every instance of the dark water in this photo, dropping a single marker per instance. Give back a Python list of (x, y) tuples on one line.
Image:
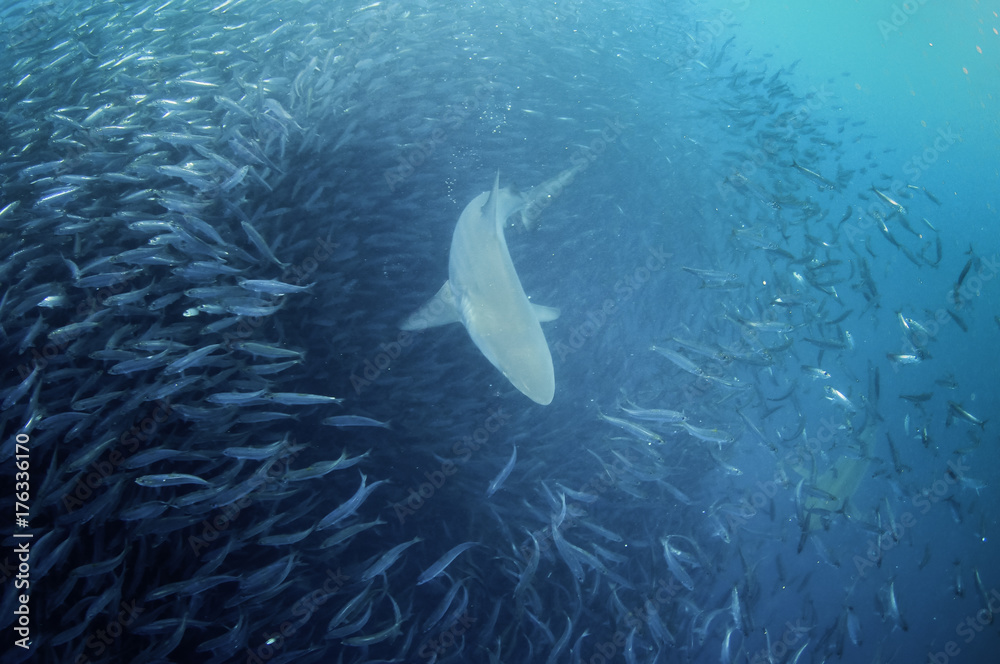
[(141, 140)]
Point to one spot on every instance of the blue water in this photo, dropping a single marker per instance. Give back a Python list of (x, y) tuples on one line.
[(922, 83), (745, 138)]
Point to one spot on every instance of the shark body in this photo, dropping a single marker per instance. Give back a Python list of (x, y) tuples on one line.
[(484, 293)]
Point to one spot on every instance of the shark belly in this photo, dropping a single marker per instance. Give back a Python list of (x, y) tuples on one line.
[(494, 307)]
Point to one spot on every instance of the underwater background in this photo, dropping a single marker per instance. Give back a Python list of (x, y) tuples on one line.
[(772, 241)]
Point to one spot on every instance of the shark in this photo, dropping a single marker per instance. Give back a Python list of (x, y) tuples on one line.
[(484, 293)]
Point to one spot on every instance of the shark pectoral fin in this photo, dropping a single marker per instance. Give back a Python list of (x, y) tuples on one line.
[(545, 314), (439, 310)]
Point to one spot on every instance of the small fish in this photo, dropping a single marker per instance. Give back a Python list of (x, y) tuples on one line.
[(896, 206), (983, 595), (847, 215), (675, 567), (828, 344), (256, 453), (103, 567), (713, 435), (441, 563), (9, 208), (170, 479), (958, 321), (22, 388), (286, 539), (237, 398), (581, 496), (956, 410), (892, 606), (712, 276), (927, 557), (965, 272), (640, 432), (498, 481), (853, 626), (659, 415), (268, 351), (814, 175), (151, 456), (837, 397), (299, 399), (190, 360), (353, 421), (272, 286), (321, 468), (906, 358), (387, 559), (815, 372), (734, 608), (531, 566), (349, 532), (351, 506), (261, 244), (678, 359), (190, 586), (896, 461)]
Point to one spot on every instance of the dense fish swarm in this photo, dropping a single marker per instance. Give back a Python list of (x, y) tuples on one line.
[(213, 221)]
